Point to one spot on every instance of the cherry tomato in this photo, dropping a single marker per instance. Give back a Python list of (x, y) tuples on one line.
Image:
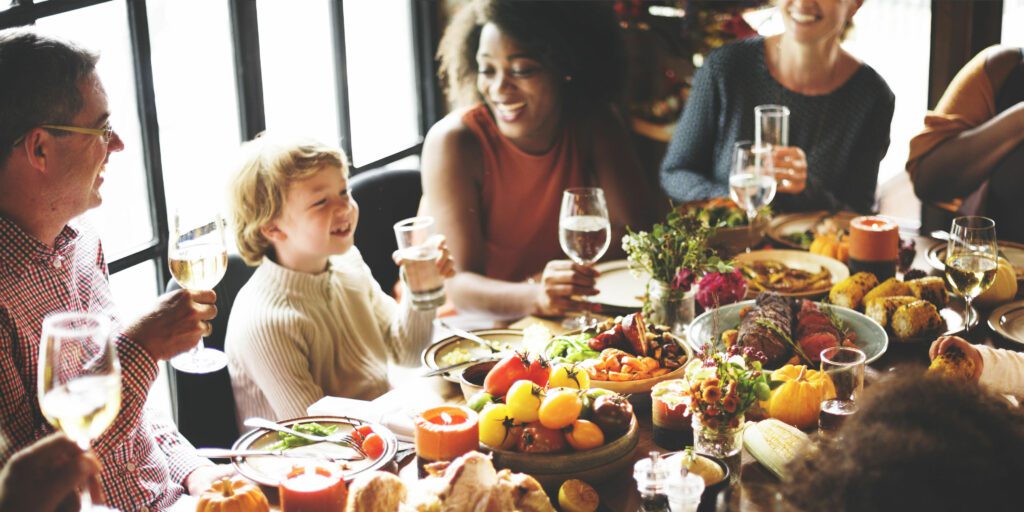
[(497, 428), (584, 435), (540, 371), (360, 433), (569, 376), (512, 368), (373, 445), (538, 439), (613, 413), (560, 408), (523, 400)]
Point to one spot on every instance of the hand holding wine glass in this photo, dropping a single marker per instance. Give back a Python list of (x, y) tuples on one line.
[(584, 231), (971, 258), (79, 378), (198, 259), (752, 182)]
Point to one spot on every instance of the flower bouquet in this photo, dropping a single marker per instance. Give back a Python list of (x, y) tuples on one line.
[(676, 255), (722, 387)]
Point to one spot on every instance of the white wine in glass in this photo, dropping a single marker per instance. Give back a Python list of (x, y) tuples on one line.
[(752, 182), (198, 259), (584, 232), (79, 378), (971, 258)]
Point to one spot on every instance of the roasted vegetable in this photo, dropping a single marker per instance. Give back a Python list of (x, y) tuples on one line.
[(882, 308), (891, 287), (635, 330), (952, 364), (850, 292), (931, 289), (916, 319)]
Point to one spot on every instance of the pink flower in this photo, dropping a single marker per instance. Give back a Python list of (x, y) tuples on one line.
[(684, 280), (718, 289)]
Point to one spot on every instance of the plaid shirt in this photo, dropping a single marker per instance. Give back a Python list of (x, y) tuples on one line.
[(145, 459)]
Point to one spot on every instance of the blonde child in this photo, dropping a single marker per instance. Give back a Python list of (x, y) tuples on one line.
[(311, 321)]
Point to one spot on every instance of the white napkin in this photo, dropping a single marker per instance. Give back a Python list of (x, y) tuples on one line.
[(394, 409)]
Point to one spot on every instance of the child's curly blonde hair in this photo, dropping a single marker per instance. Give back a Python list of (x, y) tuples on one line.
[(268, 165)]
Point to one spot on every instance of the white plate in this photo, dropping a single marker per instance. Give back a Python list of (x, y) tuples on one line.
[(801, 222), (800, 260), (1008, 321), (620, 287), (271, 470), (1012, 251)]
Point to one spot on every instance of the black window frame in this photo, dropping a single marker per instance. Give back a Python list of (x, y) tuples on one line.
[(249, 85)]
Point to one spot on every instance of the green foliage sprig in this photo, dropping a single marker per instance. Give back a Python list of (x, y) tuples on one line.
[(680, 243)]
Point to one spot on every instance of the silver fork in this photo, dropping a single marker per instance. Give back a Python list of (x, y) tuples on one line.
[(344, 439)]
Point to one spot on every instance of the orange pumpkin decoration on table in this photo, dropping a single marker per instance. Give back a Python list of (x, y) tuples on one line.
[(233, 495), (798, 400)]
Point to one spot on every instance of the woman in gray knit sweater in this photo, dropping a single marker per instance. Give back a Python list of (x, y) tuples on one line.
[(840, 108)]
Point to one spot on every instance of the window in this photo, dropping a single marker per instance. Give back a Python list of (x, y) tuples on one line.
[(382, 81), (1013, 20), (297, 56), (197, 105)]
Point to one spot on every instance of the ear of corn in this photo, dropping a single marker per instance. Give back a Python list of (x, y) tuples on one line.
[(774, 444)]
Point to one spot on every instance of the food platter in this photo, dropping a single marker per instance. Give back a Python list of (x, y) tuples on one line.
[(871, 338), (619, 286), (270, 470), (1008, 321), (1012, 251), (784, 225), (448, 351), (802, 261)]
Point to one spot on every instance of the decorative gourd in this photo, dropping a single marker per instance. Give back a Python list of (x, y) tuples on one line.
[(1003, 289), (233, 495), (831, 245), (798, 400)]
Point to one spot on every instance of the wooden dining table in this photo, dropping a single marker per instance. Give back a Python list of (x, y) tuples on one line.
[(756, 485)]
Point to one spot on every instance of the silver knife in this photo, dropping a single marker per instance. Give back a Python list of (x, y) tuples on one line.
[(225, 453), (445, 369)]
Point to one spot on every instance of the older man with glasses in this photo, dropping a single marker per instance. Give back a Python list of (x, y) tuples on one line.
[(55, 140)]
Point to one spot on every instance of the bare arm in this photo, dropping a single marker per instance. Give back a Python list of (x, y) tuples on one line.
[(961, 163), (452, 171)]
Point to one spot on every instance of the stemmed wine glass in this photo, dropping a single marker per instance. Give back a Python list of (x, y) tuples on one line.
[(584, 233), (752, 181), (198, 259), (971, 258), (79, 379)]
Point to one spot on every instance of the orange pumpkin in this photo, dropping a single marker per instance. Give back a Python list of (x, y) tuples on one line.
[(233, 495), (798, 400)]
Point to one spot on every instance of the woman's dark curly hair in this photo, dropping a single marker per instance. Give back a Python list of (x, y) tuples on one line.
[(918, 443), (579, 39)]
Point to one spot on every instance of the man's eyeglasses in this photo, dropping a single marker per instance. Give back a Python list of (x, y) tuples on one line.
[(106, 132)]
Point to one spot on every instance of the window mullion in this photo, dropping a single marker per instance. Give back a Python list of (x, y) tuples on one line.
[(248, 70), (341, 76)]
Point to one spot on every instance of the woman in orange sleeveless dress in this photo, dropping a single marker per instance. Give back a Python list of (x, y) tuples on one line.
[(538, 81)]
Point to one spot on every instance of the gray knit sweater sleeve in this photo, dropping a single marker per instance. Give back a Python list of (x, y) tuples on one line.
[(845, 133)]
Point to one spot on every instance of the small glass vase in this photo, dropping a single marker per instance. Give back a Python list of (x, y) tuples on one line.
[(669, 307), (724, 442)]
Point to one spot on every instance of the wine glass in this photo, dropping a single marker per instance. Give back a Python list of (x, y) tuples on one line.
[(584, 233), (752, 181), (79, 379), (198, 259), (971, 258)]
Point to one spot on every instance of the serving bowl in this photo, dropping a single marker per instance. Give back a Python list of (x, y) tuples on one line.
[(471, 379), (593, 466)]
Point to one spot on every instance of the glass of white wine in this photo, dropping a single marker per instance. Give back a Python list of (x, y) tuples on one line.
[(79, 378), (198, 259), (752, 182), (972, 255), (584, 233)]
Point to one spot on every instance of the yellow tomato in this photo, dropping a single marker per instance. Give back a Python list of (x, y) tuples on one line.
[(560, 408), (584, 435), (496, 427), (523, 400), (569, 376)]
